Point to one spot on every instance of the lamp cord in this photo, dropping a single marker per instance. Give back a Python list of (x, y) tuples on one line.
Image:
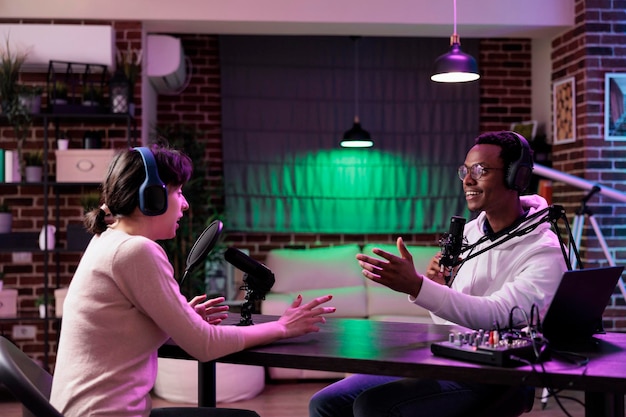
[(454, 18), (356, 77)]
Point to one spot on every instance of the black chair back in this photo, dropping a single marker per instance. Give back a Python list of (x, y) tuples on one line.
[(29, 383)]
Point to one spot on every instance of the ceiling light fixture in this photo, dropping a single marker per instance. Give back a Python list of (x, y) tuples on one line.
[(356, 137), (455, 66)]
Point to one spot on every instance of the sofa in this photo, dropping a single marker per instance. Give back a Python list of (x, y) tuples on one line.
[(311, 273), (334, 270)]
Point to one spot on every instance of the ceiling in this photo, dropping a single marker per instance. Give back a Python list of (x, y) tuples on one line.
[(423, 18)]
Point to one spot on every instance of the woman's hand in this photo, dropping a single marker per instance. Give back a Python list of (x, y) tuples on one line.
[(300, 319), (209, 310), (297, 320)]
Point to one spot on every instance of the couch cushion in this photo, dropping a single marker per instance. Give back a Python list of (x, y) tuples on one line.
[(421, 254), (296, 270), (384, 302)]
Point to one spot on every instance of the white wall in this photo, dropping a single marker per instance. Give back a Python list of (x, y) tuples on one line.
[(476, 18)]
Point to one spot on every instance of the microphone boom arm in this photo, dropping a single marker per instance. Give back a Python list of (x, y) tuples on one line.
[(550, 214)]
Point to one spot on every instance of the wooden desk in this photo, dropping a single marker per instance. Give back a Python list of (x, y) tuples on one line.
[(403, 349)]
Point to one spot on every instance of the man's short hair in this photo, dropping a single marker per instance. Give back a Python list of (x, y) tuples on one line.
[(516, 154)]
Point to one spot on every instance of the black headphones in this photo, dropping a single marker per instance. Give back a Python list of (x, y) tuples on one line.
[(152, 192), (520, 171)]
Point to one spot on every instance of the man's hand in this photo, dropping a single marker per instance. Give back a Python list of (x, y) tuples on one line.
[(397, 273)]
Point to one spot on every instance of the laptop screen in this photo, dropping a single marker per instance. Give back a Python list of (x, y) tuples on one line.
[(575, 314)]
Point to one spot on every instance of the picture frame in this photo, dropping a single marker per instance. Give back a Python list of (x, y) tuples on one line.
[(527, 129), (564, 110), (615, 106)]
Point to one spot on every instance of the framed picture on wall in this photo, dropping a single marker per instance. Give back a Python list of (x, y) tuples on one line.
[(614, 111), (527, 129), (564, 111)]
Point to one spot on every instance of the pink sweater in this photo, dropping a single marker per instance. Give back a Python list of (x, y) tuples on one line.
[(123, 303)]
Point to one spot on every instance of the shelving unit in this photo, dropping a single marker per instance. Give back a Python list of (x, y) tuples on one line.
[(27, 241)]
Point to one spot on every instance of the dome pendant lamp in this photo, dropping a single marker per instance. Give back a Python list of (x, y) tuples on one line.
[(455, 66), (356, 137)]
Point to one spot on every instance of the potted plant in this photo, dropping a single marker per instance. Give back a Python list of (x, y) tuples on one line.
[(41, 305), (77, 236), (6, 218), (129, 62), (122, 83), (29, 97), (10, 65), (92, 95), (18, 116), (63, 141), (33, 166), (58, 93), (89, 201)]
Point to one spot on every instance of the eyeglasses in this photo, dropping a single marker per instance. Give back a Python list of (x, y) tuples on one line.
[(476, 171)]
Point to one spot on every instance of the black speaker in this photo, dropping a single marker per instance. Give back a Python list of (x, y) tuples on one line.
[(152, 192), (520, 171)]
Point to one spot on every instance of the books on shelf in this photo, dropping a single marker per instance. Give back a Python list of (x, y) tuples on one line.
[(11, 166)]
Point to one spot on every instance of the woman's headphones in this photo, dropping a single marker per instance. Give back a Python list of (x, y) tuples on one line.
[(519, 172), (152, 192)]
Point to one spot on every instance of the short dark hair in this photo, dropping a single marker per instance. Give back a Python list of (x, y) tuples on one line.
[(507, 140), (516, 154)]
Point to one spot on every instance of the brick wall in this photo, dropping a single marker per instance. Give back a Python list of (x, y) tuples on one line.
[(588, 51), (595, 46), (27, 202), (505, 83)]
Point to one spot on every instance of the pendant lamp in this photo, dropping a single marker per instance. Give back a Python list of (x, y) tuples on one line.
[(356, 137), (455, 66)]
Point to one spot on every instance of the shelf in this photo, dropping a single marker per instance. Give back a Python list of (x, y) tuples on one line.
[(87, 117), (32, 318), (13, 242), (19, 242)]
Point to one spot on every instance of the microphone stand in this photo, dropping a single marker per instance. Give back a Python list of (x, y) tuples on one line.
[(249, 306), (551, 214), (580, 217)]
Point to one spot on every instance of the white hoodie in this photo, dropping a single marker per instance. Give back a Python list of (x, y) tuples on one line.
[(522, 271)]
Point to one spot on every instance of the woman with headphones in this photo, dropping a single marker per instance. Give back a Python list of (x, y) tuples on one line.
[(123, 302)]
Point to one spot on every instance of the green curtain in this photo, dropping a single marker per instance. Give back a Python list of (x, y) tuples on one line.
[(287, 101)]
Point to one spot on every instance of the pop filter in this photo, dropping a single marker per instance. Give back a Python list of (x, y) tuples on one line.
[(202, 246)]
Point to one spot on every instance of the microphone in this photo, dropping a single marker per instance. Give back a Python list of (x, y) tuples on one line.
[(452, 243), (259, 278)]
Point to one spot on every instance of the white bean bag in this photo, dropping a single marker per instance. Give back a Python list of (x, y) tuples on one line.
[(177, 381)]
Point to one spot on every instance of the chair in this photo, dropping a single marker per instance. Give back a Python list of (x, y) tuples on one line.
[(512, 402), (26, 380), (31, 385)]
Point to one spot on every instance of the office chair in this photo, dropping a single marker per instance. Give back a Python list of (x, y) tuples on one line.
[(30, 384)]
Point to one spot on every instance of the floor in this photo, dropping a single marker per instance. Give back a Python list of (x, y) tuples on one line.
[(291, 399)]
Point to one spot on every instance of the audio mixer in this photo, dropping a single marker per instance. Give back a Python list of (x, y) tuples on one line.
[(487, 348)]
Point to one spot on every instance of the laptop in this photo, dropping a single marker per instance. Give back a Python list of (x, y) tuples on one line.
[(575, 314)]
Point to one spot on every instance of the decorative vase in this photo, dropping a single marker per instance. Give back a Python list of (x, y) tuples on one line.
[(47, 237)]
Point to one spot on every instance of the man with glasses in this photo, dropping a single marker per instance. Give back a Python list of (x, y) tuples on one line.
[(521, 272)]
